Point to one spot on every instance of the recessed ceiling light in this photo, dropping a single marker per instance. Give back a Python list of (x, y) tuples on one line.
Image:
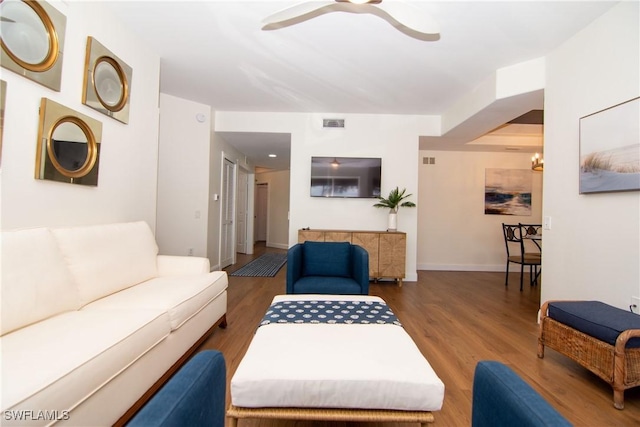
[(272, 155)]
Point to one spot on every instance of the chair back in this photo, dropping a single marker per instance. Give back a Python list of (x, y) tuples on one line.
[(529, 231), (512, 236)]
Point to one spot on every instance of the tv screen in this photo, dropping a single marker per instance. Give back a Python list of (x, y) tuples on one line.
[(357, 177)]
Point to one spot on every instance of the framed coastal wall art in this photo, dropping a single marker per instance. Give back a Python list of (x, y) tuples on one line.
[(107, 82), (32, 38), (507, 192), (610, 149)]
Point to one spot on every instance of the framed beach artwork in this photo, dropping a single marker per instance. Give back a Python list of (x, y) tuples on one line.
[(610, 149), (507, 192)]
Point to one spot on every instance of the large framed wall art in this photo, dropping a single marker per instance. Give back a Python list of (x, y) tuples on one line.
[(507, 192), (610, 149)]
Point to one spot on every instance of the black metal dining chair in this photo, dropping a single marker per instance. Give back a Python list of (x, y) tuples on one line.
[(517, 254), (532, 232)]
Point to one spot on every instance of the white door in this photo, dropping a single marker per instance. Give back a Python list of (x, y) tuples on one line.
[(242, 204), (227, 245), (262, 198)]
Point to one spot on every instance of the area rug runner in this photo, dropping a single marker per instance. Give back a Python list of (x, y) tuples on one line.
[(266, 265)]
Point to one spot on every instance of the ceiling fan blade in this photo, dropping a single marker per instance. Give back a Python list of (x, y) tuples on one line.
[(295, 14), (411, 17)]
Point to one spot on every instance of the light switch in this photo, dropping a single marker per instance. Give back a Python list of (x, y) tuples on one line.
[(546, 223)]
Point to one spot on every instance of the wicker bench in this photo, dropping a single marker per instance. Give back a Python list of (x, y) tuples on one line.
[(601, 338)]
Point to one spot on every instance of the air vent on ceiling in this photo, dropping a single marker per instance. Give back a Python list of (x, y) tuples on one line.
[(332, 123), (511, 148)]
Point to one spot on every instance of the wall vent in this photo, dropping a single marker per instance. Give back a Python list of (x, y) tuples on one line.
[(332, 123), (428, 160)]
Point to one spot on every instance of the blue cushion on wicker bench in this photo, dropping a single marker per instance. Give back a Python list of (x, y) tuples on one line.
[(596, 319)]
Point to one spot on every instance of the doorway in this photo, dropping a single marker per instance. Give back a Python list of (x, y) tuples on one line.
[(261, 212), (227, 244), (242, 207)]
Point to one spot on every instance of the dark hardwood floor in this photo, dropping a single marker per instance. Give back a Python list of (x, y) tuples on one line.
[(456, 319)]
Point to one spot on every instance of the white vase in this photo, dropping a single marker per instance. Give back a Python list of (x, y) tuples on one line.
[(393, 221)]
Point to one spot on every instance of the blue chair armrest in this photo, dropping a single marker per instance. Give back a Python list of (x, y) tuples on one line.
[(360, 267), (194, 396), (294, 266), (502, 398)]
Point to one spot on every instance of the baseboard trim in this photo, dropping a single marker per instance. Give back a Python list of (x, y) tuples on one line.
[(461, 267), (277, 245)]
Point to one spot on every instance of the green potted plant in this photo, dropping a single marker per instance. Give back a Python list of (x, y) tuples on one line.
[(394, 202)]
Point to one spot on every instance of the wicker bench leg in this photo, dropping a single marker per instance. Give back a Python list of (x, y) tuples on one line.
[(618, 398), (540, 349)]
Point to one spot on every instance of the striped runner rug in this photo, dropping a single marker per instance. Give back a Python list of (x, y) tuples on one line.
[(266, 265)]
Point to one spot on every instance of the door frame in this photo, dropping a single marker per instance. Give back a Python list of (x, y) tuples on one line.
[(223, 194)]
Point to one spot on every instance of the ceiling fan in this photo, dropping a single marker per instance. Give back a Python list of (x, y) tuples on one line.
[(410, 20)]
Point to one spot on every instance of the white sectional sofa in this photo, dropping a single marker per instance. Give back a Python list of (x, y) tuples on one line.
[(93, 318)]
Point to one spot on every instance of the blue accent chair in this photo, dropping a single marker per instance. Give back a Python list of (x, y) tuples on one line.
[(194, 396), (337, 268), (502, 399)]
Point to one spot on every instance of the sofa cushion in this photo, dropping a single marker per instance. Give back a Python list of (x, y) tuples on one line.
[(327, 285), (108, 258), (326, 259), (182, 297), (596, 319), (36, 283), (61, 362)]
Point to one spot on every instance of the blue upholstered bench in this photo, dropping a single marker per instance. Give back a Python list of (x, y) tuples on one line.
[(194, 396), (502, 399), (601, 338)]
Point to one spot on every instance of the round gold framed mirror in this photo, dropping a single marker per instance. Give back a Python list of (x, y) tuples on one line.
[(110, 83), (107, 82), (32, 38), (68, 145), (28, 35), (71, 146)]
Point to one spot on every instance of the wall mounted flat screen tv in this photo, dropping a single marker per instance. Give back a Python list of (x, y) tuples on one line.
[(345, 177)]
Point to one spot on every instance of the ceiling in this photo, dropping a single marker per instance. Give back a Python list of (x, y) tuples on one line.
[(215, 53)]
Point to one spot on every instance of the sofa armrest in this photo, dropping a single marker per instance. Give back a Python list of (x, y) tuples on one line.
[(502, 398), (194, 396), (294, 266), (172, 265), (360, 267)]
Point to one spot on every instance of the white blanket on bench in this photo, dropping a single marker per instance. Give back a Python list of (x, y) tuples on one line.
[(363, 366)]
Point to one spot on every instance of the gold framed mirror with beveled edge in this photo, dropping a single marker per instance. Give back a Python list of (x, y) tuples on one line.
[(68, 145), (107, 82), (32, 40)]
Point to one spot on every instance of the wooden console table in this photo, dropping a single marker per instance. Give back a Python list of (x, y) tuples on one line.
[(387, 249)]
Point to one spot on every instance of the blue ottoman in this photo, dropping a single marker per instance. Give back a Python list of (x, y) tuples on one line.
[(194, 396), (602, 338), (502, 399)]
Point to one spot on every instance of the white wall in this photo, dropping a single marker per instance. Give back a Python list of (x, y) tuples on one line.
[(453, 231), (183, 177), (278, 206), (391, 137), (593, 247), (126, 188)]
